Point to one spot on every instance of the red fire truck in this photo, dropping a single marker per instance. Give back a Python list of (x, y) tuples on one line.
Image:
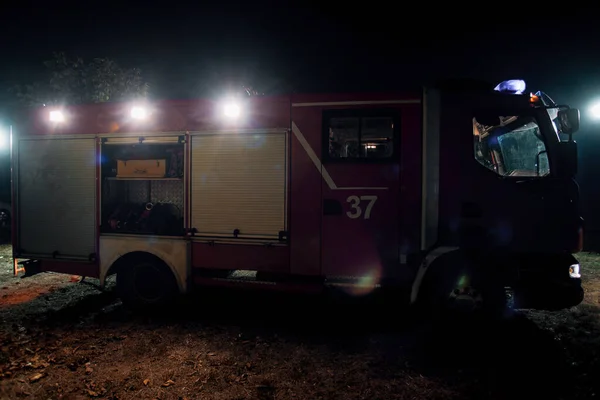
[(450, 195)]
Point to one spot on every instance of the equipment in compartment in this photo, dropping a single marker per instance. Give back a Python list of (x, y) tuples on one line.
[(143, 207), (141, 168), (142, 188), (126, 161), (159, 219)]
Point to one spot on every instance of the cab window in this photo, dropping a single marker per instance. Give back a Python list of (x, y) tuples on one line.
[(351, 135)]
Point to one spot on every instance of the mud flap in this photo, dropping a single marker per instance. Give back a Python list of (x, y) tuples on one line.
[(32, 267)]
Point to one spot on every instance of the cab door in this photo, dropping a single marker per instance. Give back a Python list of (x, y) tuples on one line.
[(360, 193)]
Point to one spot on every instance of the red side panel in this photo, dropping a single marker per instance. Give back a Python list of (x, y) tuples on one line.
[(240, 256), (361, 238), (367, 214), (305, 194), (164, 116)]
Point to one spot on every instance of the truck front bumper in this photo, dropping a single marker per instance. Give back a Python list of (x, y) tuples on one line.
[(548, 294)]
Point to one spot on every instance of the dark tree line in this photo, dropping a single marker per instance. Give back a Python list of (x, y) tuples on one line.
[(74, 81)]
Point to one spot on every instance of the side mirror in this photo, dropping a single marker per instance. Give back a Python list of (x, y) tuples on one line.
[(569, 120)]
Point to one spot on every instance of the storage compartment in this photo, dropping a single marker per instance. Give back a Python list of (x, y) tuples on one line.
[(142, 188)]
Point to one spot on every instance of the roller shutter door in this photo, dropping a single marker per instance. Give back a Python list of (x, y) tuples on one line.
[(238, 184), (56, 196)]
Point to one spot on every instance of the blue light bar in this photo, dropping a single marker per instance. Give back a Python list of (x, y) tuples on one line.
[(512, 86)]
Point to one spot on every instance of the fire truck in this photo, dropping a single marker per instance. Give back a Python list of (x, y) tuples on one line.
[(455, 197)]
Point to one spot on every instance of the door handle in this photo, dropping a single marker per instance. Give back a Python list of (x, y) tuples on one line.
[(332, 207)]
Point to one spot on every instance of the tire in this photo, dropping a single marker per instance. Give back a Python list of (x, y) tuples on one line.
[(145, 283), (458, 289)]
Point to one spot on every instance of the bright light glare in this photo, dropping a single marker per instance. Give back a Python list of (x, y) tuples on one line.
[(595, 111), (57, 116), (138, 113), (232, 110)]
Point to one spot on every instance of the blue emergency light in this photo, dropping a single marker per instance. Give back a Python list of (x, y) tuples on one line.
[(512, 86)]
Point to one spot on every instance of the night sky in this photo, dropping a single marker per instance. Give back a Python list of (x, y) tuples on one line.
[(190, 51), (187, 52)]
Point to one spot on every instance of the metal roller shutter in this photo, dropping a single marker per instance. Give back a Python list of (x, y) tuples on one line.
[(238, 182), (56, 197)]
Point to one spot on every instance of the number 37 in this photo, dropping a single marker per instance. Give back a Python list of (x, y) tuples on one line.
[(357, 211)]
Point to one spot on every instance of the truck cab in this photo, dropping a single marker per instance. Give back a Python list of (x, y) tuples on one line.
[(507, 201)]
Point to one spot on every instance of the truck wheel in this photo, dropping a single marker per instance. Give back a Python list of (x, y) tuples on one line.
[(461, 292), (146, 283)]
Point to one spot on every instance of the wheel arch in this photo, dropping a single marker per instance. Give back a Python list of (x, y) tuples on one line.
[(121, 261), (431, 262)]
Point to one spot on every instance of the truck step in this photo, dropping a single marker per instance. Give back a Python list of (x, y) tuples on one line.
[(244, 276)]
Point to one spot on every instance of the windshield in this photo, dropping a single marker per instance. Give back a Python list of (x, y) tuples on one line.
[(553, 114), (513, 147)]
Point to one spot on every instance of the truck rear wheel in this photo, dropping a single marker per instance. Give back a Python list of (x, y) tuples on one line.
[(144, 282)]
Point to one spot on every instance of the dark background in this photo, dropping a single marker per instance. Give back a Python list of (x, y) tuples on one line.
[(191, 50)]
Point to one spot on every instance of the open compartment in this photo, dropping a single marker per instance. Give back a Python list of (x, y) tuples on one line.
[(143, 186)]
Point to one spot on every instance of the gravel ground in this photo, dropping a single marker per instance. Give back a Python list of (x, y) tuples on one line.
[(61, 339)]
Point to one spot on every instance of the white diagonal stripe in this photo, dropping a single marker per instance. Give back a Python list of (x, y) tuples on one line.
[(320, 167)]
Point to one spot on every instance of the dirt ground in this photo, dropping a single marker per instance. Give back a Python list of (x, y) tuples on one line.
[(60, 339)]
